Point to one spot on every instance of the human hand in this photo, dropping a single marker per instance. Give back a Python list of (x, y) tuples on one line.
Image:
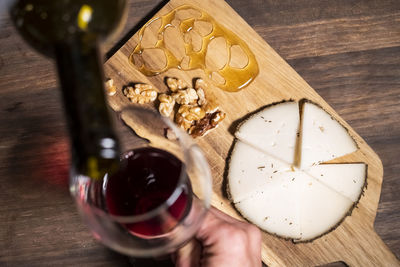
[(222, 241)]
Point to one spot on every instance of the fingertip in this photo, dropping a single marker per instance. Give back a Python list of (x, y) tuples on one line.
[(188, 255)]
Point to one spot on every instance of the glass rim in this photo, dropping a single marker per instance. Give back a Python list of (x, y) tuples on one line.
[(181, 137)]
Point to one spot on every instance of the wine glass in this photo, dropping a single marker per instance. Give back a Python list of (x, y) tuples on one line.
[(157, 199)]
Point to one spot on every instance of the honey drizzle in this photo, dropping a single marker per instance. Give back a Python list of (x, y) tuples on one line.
[(235, 78)]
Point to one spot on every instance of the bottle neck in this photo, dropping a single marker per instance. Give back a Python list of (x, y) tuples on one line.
[(95, 149)]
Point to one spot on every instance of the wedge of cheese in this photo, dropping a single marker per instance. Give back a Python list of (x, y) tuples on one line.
[(250, 169), (322, 138), (274, 207), (346, 179), (273, 130), (321, 209)]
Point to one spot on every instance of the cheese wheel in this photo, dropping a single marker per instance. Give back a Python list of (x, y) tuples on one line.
[(275, 181)]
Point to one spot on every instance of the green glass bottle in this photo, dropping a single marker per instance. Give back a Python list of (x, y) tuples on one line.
[(70, 31)]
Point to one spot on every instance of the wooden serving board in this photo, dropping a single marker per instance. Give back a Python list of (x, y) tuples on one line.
[(355, 241)]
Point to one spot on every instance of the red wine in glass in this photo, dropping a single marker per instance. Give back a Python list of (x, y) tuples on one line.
[(149, 177)]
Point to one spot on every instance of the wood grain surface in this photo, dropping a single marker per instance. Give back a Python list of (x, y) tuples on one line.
[(348, 51), (275, 82)]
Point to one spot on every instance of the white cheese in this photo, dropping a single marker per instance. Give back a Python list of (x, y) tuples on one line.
[(273, 130), (274, 207), (322, 137), (320, 208), (269, 190), (347, 179), (249, 169)]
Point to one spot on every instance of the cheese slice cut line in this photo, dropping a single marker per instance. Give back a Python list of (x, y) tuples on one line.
[(322, 138), (347, 179), (274, 208), (249, 169), (321, 208)]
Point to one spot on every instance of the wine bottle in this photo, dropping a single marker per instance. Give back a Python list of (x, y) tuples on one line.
[(70, 31)]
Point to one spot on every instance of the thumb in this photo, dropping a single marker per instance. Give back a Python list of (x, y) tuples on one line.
[(189, 255), (214, 220)]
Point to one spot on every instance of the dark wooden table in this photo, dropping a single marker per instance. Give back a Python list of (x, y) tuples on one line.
[(349, 51)]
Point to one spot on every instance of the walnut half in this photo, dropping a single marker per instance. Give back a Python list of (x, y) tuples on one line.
[(175, 84), (186, 97), (208, 122), (187, 114), (142, 93), (182, 122), (191, 113), (111, 89), (167, 104), (200, 86)]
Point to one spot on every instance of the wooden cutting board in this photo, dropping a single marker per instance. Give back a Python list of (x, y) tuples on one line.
[(355, 241)]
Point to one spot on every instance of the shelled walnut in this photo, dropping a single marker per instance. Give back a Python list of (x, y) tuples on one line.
[(175, 84), (182, 122), (142, 93), (200, 85), (195, 114), (191, 113), (202, 97), (167, 104), (217, 117), (208, 122), (185, 97), (111, 89), (187, 115)]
